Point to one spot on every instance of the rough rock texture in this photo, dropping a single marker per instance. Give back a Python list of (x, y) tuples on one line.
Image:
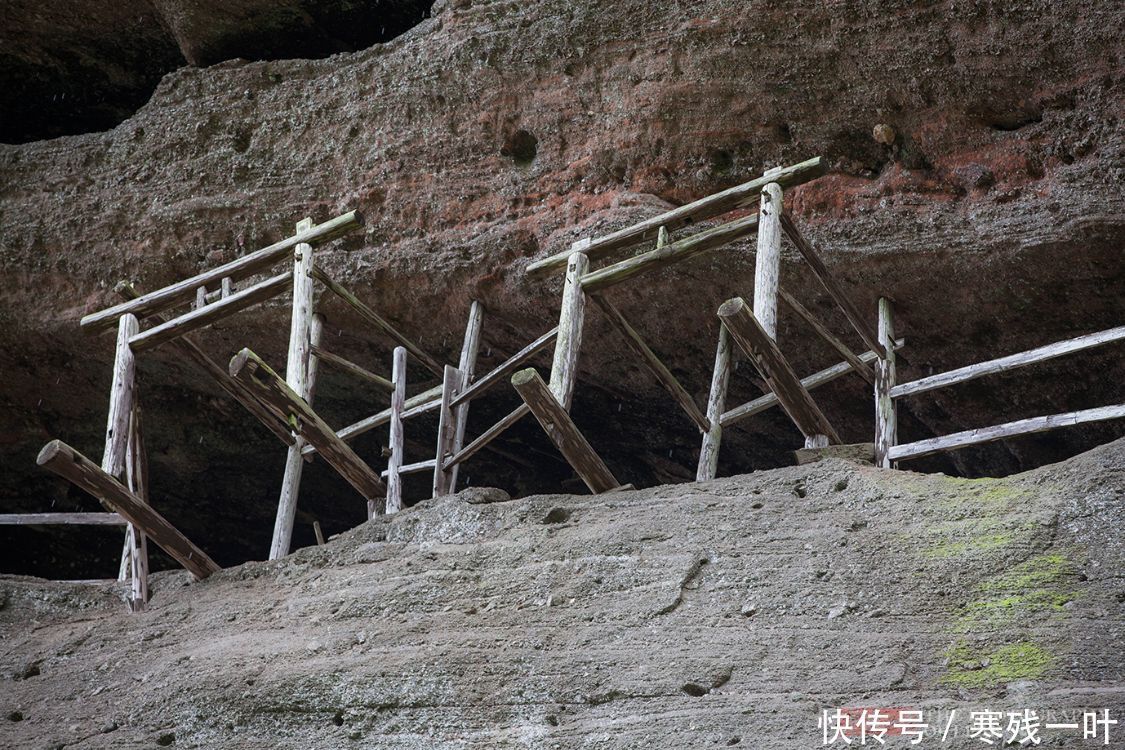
[(725, 613), (498, 132)]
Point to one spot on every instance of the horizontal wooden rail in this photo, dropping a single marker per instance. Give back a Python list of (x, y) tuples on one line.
[(346, 365), (414, 468), (740, 196), (489, 435), (210, 314), (1010, 362), (680, 250), (88, 476), (430, 399), (817, 379), (505, 368), (999, 432), (247, 265), (62, 519)]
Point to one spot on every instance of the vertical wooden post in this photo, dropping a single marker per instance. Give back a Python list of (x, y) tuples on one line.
[(395, 442), (122, 394), (886, 412), (564, 368), (297, 378), (200, 297), (716, 403), (467, 365), (227, 286), (452, 384), (767, 266), (136, 475)]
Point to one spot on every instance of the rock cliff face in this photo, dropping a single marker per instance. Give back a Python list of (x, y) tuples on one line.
[(720, 614), (989, 208)]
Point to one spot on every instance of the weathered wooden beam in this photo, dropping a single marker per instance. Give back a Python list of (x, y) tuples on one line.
[(858, 365), (886, 411), (428, 399), (817, 379), (136, 541), (466, 365), (210, 314), (851, 312), (562, 431), (247, 265), (346, 365), (652, 362), (396, 442), (122, 394), (568, 342), (453, 382), (708, 464), (1009, 362), (767, 263), (415, 468), (291, 408), (71, 465), (1002, 431), (668, 255), (62, 519), (506, 368), (489, 435), (728, 200), (376, 320), (775, 369)]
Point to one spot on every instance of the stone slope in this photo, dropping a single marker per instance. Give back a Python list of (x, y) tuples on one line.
[(714, 614)]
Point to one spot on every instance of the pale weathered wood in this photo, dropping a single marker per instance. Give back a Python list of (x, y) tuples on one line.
[(452, 383), (136, 541), (506, 368), (429, 399), (346, 365), (415, 468), (767, 264), (568, 342), (247, 265), (62, 519), (467, 364), (291, 408), (562, 431), (227, 287), (200, 297), (319, 533), (1002, 431), (817, 379), (1010, 362), (652, 362), (86, 475), (775, 369), (662, 235), (121, 397), (733, 198), (708, 465), (188, 349), (300, 320), (396, 441), (678, 251), (489, 435), (828, 281), (210, 314), (376, 320), (886, 411), (858, 365)]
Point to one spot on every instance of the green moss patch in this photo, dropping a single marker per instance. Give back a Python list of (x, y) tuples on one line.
[(970, 668)]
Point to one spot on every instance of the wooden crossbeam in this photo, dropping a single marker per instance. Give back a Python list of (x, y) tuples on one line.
[(211, 314), (775, 369), (670, 254), (62, 519), (506, 368), (426, 400), (728, 200), (248, 265), (556, 422), (1007, 430), (489, 435), (859, 366), (652, 362), (279, 398), (71, 465), (346, 365)]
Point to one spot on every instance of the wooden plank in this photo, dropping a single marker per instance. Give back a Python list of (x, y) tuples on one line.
[(319, 534), (467, 365), (489, 435), (728, 200), (62, 519), (858, 365), (415, 468), (453, 382), (817, 379), (886, 411), (652, 362), (122, 394), (210, 314), (136, 541), (562, 431), (291, 408), (248, 265), (69, 464), (1002, 431), (720, 377), (396, 441), (678, 251), (767, 264), (345, 365), (427, 399), (568, 341), (828, 281), (186, 347), (506, 368), (376, 320), (1010, 362), (775, 369)]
